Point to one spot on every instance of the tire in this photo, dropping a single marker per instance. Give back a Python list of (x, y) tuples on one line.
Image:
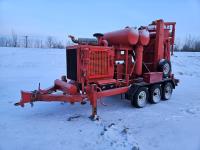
[(165, 67), (155, 94), (140, 98), (167, 91)]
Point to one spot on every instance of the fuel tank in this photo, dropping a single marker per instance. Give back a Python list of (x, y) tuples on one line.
[(126, 37), (144, 37)]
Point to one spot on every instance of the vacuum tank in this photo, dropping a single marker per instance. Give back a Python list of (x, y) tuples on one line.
[(126, 37)]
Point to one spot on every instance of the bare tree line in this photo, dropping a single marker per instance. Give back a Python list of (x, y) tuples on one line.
[(190, 44), (28, 42)]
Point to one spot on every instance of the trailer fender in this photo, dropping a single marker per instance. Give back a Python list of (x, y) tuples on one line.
[(131, 91)]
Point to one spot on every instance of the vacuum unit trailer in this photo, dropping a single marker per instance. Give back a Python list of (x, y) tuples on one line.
[(134, 62)]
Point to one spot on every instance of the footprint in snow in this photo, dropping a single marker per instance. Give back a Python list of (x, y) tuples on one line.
[(192, 111), (75, 117), (118, 137)]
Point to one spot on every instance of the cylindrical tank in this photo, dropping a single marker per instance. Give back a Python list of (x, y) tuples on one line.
[(138, 60), (144, 37), (126, 37)]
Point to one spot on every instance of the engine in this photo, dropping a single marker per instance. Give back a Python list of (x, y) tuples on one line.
[(90, 63)]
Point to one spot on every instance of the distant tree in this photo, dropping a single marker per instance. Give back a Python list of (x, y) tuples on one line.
[(37, 44), (191, 44), (197, 45), (58, 44), (177, 45), (9, 42), (14, 39), (3, 41), (41, 44), (50, 42)]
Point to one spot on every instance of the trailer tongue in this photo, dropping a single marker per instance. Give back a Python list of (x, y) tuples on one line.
[(134, 62)]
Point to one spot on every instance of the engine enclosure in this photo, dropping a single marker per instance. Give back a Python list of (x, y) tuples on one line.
[(89, 63)]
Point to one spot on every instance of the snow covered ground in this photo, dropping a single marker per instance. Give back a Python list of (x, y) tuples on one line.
[(169, 125)]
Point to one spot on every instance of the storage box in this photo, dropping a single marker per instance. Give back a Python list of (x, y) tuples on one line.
[(152, 77)]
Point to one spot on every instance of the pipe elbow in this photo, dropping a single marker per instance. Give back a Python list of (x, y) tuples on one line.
[(104, 42), (73, 39)]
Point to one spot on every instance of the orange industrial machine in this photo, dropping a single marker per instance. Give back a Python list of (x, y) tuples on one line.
[(131, 61)]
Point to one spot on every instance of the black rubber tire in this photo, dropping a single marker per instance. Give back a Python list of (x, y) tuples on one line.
[(155, 90), (136, 98), (165, 67), (167, 91)]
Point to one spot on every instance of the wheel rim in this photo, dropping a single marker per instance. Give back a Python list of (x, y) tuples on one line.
[(156, 95), (168, 92), (142, 98), (166, 68)]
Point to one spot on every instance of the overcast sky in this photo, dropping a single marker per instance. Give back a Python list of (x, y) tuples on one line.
[(84, 17)]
